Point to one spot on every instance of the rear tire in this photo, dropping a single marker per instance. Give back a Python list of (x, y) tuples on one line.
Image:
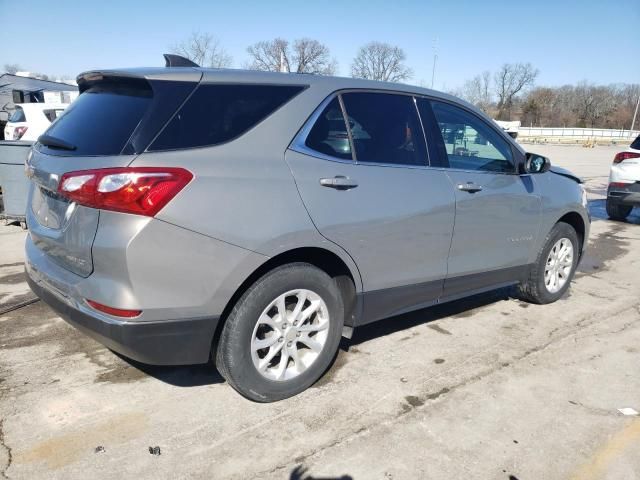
[(553, 270), (267, 356), (616, 211)]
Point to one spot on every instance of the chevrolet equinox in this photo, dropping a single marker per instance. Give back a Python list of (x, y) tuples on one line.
[(184, 214)]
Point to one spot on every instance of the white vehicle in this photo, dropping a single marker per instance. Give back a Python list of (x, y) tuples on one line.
[(623, 192), (511, 128), (30, 120)]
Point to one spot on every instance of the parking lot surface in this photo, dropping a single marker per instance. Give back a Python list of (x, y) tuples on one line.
[(488, 387)]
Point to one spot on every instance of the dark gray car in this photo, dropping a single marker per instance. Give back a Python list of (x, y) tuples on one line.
[(183, 214)]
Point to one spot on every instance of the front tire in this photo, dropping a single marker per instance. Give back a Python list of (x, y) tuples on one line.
[(553, 270), (282, 334), (617, 211)]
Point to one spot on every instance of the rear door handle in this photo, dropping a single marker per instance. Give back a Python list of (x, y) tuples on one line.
[(339, 182), (469, 187)]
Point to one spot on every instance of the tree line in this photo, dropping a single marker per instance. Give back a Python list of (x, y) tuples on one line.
[(509, 93), (375, 60)]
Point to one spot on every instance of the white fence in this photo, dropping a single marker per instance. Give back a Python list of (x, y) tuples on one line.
[(577, 133)]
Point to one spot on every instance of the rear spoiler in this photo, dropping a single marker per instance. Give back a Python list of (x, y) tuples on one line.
[(137, 77)]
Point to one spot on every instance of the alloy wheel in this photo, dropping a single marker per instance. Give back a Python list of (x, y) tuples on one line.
[(290, 334), (559, 265)]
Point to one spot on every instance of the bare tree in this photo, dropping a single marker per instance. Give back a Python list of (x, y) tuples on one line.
[(592, 103), (311, 56), (12, 68), (540, 107), (306, 56), (205, 50), (510, 80), (478, 91), (381, 61)]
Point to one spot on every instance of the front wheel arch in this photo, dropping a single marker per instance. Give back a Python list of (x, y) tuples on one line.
[(577, 222)]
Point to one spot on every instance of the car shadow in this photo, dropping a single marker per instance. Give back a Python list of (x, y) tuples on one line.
[(207, 374), (598, 210), (462, 308), (179, 376)]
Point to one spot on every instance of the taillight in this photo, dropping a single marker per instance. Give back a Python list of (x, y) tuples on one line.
[(622, 156), (18, 132), (138, 190), (116, 312), (620, 184)]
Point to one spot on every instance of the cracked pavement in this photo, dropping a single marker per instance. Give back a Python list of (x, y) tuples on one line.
[(488, 387)]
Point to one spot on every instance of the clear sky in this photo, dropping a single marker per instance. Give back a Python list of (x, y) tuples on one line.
[(567, 40)]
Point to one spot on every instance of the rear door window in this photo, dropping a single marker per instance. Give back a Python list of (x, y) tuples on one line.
[(636, 143), (216, 114), (101, 120), (385, 128), (329, 134)]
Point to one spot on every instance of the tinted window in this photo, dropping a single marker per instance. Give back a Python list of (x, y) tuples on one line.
[(385, 128), (52, 114), (215, 114), (470, 143), (18, 116), (101, 120), (636, 143), (329, 133)]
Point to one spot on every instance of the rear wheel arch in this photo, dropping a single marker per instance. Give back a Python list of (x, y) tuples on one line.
[(326, 260)]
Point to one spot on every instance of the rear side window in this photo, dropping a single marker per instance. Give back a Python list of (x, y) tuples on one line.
[(18, 116), (329, 134), (470, 143), (385, 128), (216, 113), (101, 120), (636, 143)]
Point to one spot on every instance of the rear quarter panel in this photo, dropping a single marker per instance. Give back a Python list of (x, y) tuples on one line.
[(243, 192)]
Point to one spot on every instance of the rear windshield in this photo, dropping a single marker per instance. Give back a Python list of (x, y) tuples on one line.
[(636, 143), (18, 116), (101, 120), (216, 113)]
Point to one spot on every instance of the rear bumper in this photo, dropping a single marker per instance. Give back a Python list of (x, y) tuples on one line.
[(629, 195), (171, 342)]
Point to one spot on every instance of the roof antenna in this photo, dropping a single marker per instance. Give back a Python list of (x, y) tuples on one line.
[(172, 60)]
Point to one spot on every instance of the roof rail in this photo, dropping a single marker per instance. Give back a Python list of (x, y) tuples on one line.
[(172, 60)]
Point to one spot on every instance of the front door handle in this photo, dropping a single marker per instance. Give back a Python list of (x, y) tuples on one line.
[(469, 187), (339, 182)]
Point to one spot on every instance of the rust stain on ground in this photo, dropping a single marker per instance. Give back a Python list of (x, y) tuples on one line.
[(610, 451), (65, 449)]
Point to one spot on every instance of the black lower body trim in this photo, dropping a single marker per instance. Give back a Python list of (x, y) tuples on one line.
[(458, 286), (171, 342), (379, 304)]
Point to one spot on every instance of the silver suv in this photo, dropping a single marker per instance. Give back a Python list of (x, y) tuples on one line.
[(179, 215)]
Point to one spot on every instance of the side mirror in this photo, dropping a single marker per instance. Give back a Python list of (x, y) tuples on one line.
[(535, 163)]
